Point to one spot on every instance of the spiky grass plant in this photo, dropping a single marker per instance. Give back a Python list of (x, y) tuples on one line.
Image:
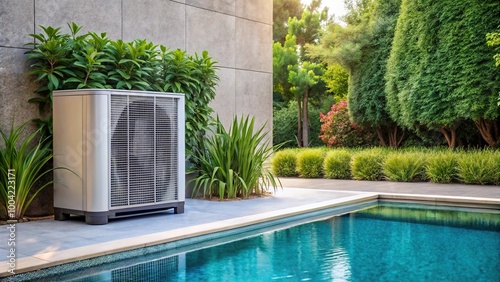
[(337, 164), (367, 165), (478, 167), (21, 170), (233, 162), (284, 163), (310, 163), (405, 167), (442, 167)]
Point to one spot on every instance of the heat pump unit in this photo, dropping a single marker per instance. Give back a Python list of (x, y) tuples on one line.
[(122, 153)]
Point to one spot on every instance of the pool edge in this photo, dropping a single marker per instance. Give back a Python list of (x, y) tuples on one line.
[(50, 259)]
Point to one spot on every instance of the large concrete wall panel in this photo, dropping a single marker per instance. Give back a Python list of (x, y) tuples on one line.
[(94, 15), (16, 22), (16, 89), (256, 10), (257, 53), (211, 31), (221, 6), (224, 103), (254, 96), (168, 18)]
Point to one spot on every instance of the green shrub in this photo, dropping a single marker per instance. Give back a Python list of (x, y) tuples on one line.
[(337, 164), (284, 163), (310, 163), (478, 168), (74, 61), (22, 170), (367, 165), (404, 167), (232, 164), (496, 163), (442, 168), (285, 126)]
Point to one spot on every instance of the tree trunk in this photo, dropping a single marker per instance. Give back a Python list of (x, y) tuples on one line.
[(388, 136), (305, 120), (381, 136), (299, 123), (450, 133), (490, 131)]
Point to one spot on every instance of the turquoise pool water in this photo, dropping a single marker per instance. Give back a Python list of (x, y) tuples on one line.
[(387, 242)]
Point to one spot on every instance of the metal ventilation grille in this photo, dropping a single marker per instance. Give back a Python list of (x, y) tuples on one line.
[(144, 156)]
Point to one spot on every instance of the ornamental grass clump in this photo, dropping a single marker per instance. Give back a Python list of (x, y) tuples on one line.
[(404, 167), (310, 163), (284, 163), (22, 169), (442, 168), (367, 165), (233, 162), (337, 164), (478, 168)]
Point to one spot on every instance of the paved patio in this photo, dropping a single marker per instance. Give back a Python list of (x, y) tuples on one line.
[(46, 243)]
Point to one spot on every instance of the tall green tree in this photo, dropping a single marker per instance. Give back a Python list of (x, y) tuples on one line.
[(295, 76), (284, 55), (439, 73), (367, 100), (282, 11), (363, 47), (304, 77)]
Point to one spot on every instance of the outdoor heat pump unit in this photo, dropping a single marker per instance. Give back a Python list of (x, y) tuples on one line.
[(121, 153)]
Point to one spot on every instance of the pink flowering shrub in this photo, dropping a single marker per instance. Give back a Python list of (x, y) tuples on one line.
[(338, 131)]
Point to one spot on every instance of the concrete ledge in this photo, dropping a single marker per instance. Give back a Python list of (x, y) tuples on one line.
[(49, 259)]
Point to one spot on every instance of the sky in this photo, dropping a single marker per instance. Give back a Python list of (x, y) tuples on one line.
[(335, 7)]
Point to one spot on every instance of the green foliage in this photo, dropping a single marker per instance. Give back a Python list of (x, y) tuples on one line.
[(442, 167), (439, 72), (493, 40), (284, 56), (282, 11), (479, 167), (72, 61), (310, 163), (337, 164), (337, 81), (232, 164), (367, 101), (284, 163), (22, 168), (367, 165), (404, 167), (285, 126)]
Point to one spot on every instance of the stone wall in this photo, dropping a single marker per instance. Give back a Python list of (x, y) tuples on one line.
[(236, 33)]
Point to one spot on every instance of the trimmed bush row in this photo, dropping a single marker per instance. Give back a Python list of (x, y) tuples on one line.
[(407, 165)]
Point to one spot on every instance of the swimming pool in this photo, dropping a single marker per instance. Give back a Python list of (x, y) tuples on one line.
[(379, 242)]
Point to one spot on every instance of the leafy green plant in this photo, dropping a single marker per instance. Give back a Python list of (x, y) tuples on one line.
[(233, 162), (337, 164), (310, 163), (21, 170), (284, 163), (478, 168), (404, 167), (72, 61), (367, 165), (442, 168)]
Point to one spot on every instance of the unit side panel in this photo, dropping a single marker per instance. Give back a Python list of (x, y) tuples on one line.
[(96, 149), (68, 152)]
